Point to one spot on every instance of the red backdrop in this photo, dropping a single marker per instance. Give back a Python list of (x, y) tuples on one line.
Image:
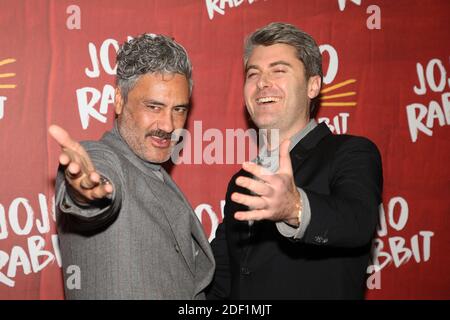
[(386, 65)]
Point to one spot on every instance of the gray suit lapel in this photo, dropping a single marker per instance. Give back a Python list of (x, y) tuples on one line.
[(181, 219), (204, 261), (177, 214), (178, 220), (197, 228)]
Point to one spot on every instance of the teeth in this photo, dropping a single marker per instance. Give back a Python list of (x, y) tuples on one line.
[(267, 99)]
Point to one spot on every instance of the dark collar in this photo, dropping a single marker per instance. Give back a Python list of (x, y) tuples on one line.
[(301, 151)]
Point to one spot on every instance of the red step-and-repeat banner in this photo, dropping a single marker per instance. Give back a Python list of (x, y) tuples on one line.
[(386, 66)]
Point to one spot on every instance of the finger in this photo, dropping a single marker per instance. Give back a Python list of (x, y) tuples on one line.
[(72, 148), (73, 170), (253, 202), (62, 137), (64, 159), (101, 191), (105, 183), (102, 188), (285, 158), (256, 186), (254, 215), (87, 183), (108, 188), (257, 171), (94, 177)]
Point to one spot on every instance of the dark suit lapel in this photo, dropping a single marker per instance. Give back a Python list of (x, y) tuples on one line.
[(245, 230), (303, 149), (301, 152)]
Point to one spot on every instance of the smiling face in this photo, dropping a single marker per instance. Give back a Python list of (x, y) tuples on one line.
[(276, 92), (156, 106)]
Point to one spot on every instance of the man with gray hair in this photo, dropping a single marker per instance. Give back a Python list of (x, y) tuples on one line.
[(126, 231), (304, 230)]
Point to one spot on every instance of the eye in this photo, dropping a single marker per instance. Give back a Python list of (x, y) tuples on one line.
[(181, 110), (251, 74), (153, 107), (280, 71)]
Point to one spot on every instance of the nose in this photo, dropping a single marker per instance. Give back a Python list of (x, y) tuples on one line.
[(165, 122), (264, 81)]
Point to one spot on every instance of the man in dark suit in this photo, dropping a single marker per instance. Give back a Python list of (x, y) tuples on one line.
[(303, 229)]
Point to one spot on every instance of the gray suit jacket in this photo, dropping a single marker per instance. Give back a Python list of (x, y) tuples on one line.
[(145, 243)]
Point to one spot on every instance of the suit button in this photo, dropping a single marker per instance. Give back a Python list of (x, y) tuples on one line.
[(245, 271), (177, 248)]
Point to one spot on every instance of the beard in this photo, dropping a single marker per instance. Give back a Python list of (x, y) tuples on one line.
[(139, 144)]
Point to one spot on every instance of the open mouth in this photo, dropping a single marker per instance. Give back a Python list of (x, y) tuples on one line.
[(267, 100), (160, 142)]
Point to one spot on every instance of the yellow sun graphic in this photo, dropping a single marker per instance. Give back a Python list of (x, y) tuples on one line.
[(7, 75), (336, 86)]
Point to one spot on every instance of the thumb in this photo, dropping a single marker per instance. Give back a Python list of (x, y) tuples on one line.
[(72, 148), (285, 159), (61, 136)]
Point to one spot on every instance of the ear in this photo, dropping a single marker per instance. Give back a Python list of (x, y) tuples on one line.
[(118, 101), (314, 84)]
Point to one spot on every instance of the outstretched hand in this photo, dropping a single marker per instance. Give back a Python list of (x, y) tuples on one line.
[(275, 196), (85, 183)]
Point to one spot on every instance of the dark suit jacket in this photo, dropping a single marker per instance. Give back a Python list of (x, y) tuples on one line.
[(342, 177)]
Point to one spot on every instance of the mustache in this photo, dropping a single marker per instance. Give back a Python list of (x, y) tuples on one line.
[(160, 134)]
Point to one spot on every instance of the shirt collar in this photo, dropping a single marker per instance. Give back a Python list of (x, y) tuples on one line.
[(271, 162), (302, 133)]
